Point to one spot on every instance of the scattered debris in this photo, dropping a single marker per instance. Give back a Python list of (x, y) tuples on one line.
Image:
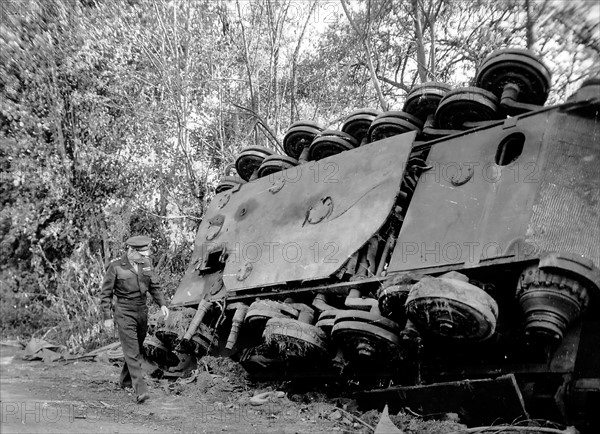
[(263, 398), (335, 415), (39, 349), (12, 343), (190, 379), (108, 352), (385, 424), (517, 429)]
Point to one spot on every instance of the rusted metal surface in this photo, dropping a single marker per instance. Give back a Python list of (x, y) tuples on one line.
[(324, 212), (193, 287), (547, 200), (468, 209), (566, 212)]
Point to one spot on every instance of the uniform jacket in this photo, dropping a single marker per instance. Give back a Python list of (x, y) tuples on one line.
[(121, 280)]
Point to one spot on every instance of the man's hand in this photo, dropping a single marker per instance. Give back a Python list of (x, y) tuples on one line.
[(165, 311), (109, 324)]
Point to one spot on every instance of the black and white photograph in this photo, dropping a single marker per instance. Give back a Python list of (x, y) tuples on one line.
[(300, 216)]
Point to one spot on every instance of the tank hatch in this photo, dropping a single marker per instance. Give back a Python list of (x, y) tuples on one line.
[(296, 225)]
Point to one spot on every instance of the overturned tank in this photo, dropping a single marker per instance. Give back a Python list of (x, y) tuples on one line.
[(453, 245)]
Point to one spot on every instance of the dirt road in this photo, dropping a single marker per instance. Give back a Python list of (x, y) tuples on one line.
[(79, 396)]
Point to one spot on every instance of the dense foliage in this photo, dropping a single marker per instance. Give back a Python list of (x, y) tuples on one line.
[(118, 117)]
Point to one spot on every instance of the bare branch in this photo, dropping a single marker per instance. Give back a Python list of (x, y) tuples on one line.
[(175, 217), (246, 57), (394, 83), (271, 135), (365, 44), (295, 62)]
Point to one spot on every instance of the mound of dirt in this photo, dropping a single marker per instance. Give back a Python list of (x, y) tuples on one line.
[(227, 368), (216, 379), (410, 424)]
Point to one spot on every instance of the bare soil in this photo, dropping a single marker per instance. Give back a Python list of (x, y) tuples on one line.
[(84, 396)]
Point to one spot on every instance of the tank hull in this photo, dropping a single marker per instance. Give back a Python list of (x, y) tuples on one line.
[(467, 261)]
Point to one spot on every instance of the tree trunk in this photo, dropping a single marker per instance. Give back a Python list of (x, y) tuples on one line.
[(365, 45), (293, 105), (529, 26), (421, 60)]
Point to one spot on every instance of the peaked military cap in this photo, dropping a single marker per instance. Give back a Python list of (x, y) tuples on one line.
[(139, 242)]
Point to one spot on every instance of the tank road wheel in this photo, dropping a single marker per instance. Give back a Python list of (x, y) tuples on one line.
[(261, 311), (157, 352), (249, 160), (452, 308), (392, 300), (202, 341), (358, 122), (424, 99), (326, 320), (276, 163), (229, 181), (518, 67), (331, 142), (175, 326), (298, 136), (466, 104), (392, 123), (589, 91), (366, 336), (295, 339), (550, 302)]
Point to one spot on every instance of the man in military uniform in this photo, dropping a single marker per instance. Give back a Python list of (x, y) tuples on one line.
[(129, 278)]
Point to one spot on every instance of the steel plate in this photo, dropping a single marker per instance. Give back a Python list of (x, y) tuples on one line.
[(264, 228), (467, 208)]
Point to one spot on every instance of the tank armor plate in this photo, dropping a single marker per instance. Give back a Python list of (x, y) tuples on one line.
[(305, 228)]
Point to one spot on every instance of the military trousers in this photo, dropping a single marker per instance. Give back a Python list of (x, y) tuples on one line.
[(131, 317)]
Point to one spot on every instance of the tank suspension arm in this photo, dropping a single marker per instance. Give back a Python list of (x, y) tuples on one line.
[(320, 303), (355, 300), (306, 314), (303, 158), (509, 101), (238, 318), (389, 246), (203, 307)]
